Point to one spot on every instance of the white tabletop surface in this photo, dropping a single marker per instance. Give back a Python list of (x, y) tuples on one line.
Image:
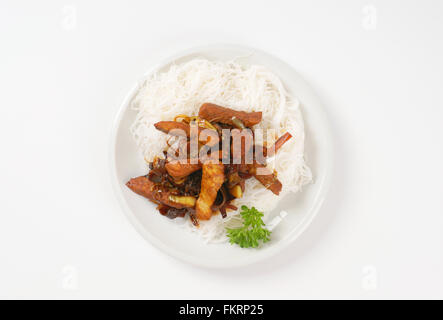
[(65, 69)]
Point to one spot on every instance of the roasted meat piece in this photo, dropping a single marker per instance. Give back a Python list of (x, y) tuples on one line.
[(266, 177), (154, 192), (178, 169), (212, 179), (180, 129), (212, 112)]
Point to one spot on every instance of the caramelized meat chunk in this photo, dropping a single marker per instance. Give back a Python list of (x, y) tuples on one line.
[(212, 180), (213, 112), (177, 169), (148, 189), (266, 177), (182, 168), (181, 129), (174, 128)]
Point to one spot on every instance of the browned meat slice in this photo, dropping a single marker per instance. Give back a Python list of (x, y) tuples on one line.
[(177, 169), (277, 145), (242, 146), (181, 129), (212, 179), (174, 128), (261, 153), (213, 112), (180, 169), (266, 177), (148, 189)]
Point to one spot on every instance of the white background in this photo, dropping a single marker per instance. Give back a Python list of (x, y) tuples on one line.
[(66, 67)]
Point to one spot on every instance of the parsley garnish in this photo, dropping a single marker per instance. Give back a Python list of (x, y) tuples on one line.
[(252, 231)]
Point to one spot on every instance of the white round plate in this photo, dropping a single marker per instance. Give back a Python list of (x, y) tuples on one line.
[(301, 207)]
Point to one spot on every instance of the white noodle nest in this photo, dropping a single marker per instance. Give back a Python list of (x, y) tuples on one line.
[(185, 87)]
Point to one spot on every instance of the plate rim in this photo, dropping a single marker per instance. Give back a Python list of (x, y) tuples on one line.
[(284, 243)]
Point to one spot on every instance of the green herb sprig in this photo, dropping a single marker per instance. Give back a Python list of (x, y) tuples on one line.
[(252, 231)]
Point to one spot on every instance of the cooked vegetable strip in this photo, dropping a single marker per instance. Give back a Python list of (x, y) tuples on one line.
[(202, 123), (213, 112), (236, 191), (266, 177), (148, 189), (212, 179), (238, 123), (187, 201)]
